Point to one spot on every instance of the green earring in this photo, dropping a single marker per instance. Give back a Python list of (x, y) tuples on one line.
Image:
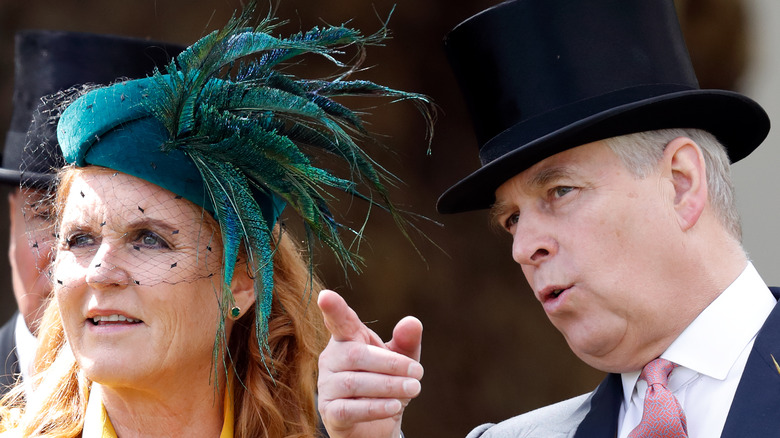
[(235, 311)]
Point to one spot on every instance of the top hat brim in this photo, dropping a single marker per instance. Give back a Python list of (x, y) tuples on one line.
[(737, 121), (47, 62), (15, 177), (33, 180)]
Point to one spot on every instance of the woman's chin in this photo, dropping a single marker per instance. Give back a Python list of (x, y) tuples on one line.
[(115, 370)]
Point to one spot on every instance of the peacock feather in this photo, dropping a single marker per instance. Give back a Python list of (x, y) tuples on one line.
[(251, 130)]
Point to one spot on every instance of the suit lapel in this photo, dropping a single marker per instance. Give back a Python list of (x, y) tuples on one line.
[(601, 420), (754, 410), (9, 362)]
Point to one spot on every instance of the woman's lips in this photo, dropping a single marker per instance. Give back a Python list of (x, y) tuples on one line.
[(114, 318)]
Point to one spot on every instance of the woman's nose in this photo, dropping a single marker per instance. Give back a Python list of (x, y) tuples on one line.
[(107, 268)]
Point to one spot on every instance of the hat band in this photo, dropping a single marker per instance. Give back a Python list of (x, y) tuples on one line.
[(548, 122)]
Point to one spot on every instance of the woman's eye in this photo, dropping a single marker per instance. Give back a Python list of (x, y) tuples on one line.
[(150, 239), (80, 241)]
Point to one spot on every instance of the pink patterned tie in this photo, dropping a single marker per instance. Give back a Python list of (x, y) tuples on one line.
[(663, 416)]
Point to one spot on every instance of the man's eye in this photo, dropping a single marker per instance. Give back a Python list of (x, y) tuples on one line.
[(511, 221), (39, 210), (150, 239), (559, 192)]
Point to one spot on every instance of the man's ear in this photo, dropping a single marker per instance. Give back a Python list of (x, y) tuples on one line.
[(688, 172), (243, 288)]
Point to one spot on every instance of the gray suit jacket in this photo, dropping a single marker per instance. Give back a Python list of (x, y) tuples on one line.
[(559, 420)]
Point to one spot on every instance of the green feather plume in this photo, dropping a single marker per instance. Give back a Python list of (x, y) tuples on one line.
[(249, 128)]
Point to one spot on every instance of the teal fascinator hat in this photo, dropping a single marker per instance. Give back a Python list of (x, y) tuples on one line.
[(113, 127), (224, 127)]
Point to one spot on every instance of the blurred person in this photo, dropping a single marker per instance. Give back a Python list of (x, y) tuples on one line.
[(46, 62), (609, 167), (181, 304)]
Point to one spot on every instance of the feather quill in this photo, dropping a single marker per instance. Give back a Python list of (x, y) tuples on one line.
[(251, 131)]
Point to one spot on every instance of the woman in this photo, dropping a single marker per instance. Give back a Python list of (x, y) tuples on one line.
[(181, 307)]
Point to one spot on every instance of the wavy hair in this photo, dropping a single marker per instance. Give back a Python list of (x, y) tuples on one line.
[(265, 405)]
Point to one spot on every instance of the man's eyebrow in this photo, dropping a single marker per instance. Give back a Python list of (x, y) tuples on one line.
[(497, 211), (539, 179), (548, 175)]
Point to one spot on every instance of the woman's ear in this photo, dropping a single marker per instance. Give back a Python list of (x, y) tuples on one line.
[(243, 288), (689, 178)]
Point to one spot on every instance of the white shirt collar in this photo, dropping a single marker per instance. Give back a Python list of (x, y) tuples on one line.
[(26, 344), (711, 344)]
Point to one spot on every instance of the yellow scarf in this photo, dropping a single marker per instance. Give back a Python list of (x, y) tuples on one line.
[(98, 425)]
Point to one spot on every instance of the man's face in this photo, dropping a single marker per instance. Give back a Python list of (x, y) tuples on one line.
[(597, 246), (29, 251)]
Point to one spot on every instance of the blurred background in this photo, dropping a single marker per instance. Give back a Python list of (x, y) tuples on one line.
[(489, 351)]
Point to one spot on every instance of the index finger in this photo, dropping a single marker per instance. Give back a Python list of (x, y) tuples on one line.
[(342, 322)]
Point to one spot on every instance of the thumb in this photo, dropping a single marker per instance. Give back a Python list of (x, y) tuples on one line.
[(407, 338), (342, 322)]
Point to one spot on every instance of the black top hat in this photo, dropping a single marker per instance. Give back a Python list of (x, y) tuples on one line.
[(50, 61), (543, 76)]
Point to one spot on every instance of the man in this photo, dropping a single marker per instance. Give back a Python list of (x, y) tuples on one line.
[(47, 62), (609, 168)]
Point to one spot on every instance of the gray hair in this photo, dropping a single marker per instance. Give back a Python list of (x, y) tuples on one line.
[(640, 153)]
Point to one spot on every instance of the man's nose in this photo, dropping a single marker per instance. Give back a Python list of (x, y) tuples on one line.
[(532, 243)]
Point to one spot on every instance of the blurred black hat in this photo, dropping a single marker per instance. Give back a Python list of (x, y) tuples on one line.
[(543, 76), (49, 61)]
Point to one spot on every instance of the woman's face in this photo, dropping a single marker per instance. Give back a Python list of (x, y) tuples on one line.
[(136, 275)]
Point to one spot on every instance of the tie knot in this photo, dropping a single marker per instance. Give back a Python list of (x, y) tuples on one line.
[(662, 415), (657, 371)]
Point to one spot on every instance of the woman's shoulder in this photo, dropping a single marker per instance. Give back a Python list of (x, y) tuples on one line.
[(13, 433), (9, 426)]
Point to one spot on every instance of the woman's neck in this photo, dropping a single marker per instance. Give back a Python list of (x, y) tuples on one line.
[(192, 411)]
